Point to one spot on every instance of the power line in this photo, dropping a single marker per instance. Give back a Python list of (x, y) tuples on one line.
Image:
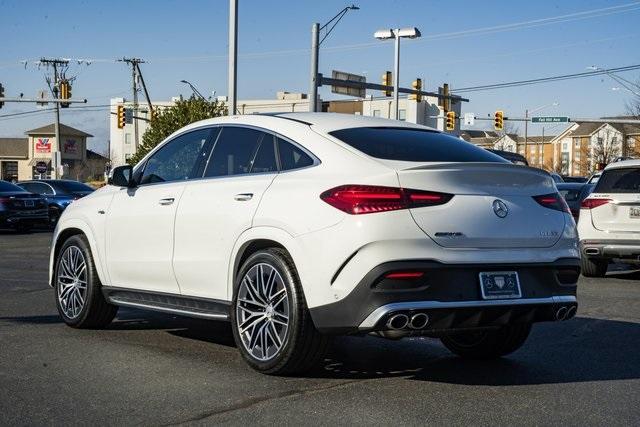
[(545, 79)]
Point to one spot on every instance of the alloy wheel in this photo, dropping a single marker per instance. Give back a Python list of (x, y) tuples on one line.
[(72, 281), (262, 311)]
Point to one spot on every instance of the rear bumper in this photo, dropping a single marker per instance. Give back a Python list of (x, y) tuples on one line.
[(450, 296), (608, 249)]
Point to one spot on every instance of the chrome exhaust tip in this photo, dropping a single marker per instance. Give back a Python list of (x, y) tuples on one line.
[(571, 312), (561, 314), (398, 321), (419, 321)]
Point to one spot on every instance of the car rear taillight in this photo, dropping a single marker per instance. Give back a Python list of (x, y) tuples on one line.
[(553, 201), (593, 203), (364, 199)]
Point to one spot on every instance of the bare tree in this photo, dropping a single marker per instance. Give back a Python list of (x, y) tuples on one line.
[(633, 105), (605, 150)]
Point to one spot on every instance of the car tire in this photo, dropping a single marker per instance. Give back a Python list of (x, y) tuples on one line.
[(258, 316), (593, 267), (78, 292), (488, 344)]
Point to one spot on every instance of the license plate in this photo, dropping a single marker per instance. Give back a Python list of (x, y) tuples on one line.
[(634, 213), (28, 203), (500, 285)]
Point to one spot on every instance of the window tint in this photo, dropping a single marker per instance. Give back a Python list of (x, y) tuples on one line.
[(570, 195), (292, 157), (178, 159), (265, 160), (414, 145), (38, 188), (72, 186), (234, 151), (623, 180)]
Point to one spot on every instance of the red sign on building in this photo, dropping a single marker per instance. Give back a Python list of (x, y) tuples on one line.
[(43, 145)]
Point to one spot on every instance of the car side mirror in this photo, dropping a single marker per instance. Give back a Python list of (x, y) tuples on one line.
[(122, 176)]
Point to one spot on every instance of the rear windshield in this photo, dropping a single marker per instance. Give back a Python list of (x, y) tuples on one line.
[(413, 145), (7, 186), (623, 180), (571, 195), (72, 186)]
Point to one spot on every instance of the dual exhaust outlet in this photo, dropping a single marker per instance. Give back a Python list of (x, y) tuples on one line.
[(566, 312), (402, 321)]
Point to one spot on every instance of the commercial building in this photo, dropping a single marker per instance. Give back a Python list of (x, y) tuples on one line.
[(30, 157)]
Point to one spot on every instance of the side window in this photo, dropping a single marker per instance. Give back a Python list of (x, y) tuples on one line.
[(41, 189), (29, 187), (234, 151), (292, 157), (177, 160), (265, 160)]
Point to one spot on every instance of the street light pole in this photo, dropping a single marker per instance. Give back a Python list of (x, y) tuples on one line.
[(315, 46), (397, 34), (315, 52), (396, 77), (526, 122), (233, 56)]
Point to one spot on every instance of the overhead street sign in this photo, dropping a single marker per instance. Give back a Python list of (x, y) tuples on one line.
[(557, 119), (345, 90)]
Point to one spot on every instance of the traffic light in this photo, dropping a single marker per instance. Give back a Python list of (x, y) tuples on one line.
[(387, 80), (128, 115), (1, 94), (451, 120), (417, 85), (120, 116), (498, 120), (65, 92)]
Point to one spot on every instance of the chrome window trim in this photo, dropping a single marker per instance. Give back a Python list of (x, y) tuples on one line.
[(377, 314)]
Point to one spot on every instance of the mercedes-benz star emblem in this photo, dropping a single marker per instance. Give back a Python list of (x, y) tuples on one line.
[(500, 208)]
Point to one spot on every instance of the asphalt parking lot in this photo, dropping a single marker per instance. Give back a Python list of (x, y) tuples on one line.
[(148, 368)]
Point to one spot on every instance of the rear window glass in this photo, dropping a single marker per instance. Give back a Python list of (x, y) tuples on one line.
[(413, 145), (7, 186), (72, 186), (623, 180)]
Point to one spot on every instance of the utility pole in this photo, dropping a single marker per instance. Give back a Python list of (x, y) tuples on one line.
[(233, 56), (56, 158), (526, 128), (135, 72), (313, 90)]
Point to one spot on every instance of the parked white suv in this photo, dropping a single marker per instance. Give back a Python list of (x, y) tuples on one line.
[(295, 227), (609, 225)]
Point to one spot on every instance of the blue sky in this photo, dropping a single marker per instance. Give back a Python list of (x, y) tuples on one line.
[(187, 39)]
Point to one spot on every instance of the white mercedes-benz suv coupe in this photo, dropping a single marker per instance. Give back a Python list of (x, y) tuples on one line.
[(609, 224), (296, 227)]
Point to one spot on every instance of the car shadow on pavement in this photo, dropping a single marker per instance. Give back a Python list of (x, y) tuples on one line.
[(34, 320), (579, 350), (624, 274), (214, 332)]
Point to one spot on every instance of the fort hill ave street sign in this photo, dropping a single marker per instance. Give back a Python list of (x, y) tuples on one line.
[(556, 119)]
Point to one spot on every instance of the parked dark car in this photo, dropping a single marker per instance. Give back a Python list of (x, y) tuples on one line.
[(20, 209), (516, 158), (574, 193), (579, 179), (58, 193)]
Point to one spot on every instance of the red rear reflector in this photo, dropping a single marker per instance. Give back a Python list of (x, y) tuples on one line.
[(404, 275), (593, 203), (363, 199), (553, 201)]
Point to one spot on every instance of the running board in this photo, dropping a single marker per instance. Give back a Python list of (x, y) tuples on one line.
[(201, 308)]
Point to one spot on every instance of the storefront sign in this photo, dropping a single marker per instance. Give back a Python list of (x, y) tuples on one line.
[(43, 145)]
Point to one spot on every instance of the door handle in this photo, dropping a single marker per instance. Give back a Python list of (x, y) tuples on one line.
[(167, 201), (243, 197)]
